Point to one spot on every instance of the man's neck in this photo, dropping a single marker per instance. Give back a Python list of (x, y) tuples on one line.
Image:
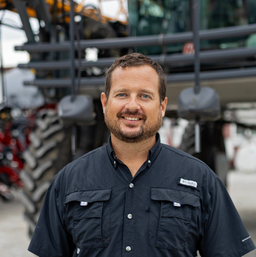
[(133, 155)]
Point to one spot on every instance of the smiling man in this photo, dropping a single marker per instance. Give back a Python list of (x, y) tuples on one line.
[(134, 104), (134, 96), (135, 196)]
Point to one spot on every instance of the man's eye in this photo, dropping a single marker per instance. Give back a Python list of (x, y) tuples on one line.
[(121, 95), (145, 96)]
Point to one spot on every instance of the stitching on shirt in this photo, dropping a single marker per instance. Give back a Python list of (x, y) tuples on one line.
[(83, 190), (175, 189)]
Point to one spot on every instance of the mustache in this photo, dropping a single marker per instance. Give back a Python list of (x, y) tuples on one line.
[(135, 113)]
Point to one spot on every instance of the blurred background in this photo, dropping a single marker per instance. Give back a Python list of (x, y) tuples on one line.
[(50, 113)]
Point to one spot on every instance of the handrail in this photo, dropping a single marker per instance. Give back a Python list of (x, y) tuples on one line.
[(161, 39), (169, 59), (184, 77)]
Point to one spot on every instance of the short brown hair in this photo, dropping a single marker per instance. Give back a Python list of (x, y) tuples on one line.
[(136, 60)]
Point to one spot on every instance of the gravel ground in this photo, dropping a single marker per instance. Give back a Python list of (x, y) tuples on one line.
[(13, 230)]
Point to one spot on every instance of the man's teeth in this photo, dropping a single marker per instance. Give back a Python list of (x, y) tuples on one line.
[(130, 118)]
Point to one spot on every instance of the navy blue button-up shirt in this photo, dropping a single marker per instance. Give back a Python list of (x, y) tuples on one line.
[(174, 206)]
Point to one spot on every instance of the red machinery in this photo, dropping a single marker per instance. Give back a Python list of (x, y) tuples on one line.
[(13, 141)]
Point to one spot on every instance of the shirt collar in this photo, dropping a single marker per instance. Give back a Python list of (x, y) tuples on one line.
[(152, 155)]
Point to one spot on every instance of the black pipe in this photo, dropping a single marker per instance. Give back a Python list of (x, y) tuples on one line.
[(22, 11), (171, 59), (213, 75), (196, 24), (143, 40), (184, 77), (3, 93), (72, 50)]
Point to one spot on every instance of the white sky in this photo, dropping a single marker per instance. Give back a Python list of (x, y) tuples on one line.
[(13, 37)]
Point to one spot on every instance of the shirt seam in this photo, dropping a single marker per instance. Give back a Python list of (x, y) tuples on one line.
[(175, 189), (96, 189), (40, 250), (185, 155)]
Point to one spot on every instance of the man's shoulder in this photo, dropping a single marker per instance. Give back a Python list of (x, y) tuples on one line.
[(188, 166), (84, 163), (182, 155), (90, 156)]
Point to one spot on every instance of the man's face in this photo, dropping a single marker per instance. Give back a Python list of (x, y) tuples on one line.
[(133, 111)]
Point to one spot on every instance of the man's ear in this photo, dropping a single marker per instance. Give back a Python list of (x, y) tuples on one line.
[(103, 99), (163, 106)]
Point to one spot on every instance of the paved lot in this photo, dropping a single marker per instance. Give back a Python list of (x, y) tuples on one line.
[(242, 188), (13, 235), (14, 240)]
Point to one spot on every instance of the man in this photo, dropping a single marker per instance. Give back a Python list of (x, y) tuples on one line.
[(135, 196)]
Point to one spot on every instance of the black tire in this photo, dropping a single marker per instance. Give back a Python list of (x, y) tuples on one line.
[(49, 152), (213, 151)]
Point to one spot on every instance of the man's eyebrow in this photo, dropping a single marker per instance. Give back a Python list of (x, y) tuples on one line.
[(120, 90), (146, 91)]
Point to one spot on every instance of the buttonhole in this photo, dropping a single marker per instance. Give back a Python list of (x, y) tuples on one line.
[(152, 237)]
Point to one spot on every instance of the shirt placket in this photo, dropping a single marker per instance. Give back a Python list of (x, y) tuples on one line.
[(130, 214), (129, 221)]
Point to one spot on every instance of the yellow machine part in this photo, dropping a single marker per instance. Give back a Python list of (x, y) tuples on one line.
[(78, 9)]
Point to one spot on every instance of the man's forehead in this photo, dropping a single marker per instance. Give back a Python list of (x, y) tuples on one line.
[(134, 69), (124, 68), (129, 74)]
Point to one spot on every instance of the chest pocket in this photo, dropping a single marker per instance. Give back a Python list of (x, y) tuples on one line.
[(171, 215), (88, 217)]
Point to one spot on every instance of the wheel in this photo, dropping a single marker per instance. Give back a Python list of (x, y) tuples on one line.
[(213, 151), (49, 151)]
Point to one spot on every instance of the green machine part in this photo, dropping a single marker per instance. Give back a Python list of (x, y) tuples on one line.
[(153, 17)]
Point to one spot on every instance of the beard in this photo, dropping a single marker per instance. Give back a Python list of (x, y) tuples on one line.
[(145, 131)]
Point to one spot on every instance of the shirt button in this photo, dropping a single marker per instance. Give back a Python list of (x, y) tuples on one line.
[(128, 248), (149, 161), (131, 185), (115, 162), (129, 216)]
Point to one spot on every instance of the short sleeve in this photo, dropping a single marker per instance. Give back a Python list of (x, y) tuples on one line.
[(50, 238), (224, 232)]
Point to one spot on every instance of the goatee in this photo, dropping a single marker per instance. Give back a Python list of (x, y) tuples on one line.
[(145, 131)]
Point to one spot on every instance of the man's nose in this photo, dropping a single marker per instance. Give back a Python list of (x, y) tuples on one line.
[(133, 104)]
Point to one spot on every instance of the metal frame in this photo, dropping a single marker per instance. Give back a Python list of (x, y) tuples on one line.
[(42, 12), (22, 11), (142, 41), (99, 81), (171, 59)]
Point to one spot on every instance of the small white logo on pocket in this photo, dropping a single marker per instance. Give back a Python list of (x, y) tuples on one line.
[(84, 203), (176, 204), (190, 183), (246, 238)]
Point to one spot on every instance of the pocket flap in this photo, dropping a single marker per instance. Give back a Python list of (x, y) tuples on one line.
[(174, 196), (89, 196)]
